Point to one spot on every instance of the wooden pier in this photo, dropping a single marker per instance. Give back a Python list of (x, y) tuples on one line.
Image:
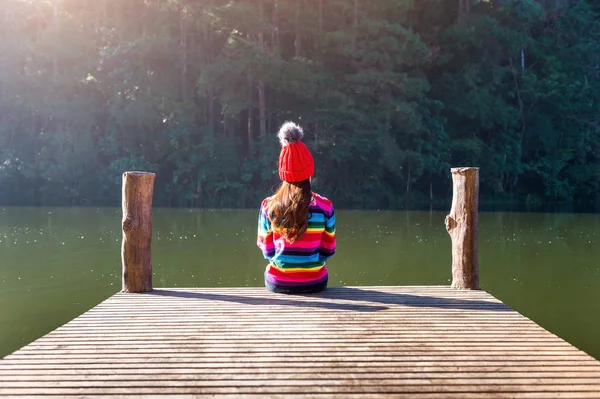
[(347, 342)]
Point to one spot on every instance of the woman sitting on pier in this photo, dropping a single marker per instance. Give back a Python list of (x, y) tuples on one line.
[(296, 227)]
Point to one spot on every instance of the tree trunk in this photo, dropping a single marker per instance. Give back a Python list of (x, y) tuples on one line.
[(355, 27), (250, 38), (136, 251), (462, 226), (275, 29), (298, 38), (262, 109), (320, 17), (55, 25), (183, 50), (262, 114), (101, 22), (261, 35), (97, 7), (464, 8), (519, 98), (211, 108), (319, 38), (203, 48), (250, 135), (430, 189), (408, 181)]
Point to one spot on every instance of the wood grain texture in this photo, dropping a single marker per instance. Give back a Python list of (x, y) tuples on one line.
[(136, 248), (347, 342), (462, 225)]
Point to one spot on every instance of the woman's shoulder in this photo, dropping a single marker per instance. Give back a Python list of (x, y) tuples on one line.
[(265, 203), (323, 202)]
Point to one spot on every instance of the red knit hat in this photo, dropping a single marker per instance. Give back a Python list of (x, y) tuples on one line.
[(296, 163)]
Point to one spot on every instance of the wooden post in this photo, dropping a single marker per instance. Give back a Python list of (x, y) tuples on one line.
[(137, 231), (462, 226)]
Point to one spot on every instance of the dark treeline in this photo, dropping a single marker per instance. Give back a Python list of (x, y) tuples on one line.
[(391, 94)]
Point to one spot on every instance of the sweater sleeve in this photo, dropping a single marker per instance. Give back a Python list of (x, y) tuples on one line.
[(264, 238), (327, 248)]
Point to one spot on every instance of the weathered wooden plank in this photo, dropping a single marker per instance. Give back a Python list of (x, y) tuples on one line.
[(21, 381), (390, 299), (302, 373), (356, 347), (289, 313), (376, 288), (401, 339), (419, 395), (160, 298), (246, 336), (247, 319), (345, 381), (246, 315), (118, 371), (259, 358), (298, 328), (298, 335), (326, 387), (316, 319), (291, 352), (417, 365), (381, 345), (308, 326), (322, 307), (239, 344)]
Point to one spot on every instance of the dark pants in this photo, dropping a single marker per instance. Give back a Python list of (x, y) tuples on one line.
[(296, 289)]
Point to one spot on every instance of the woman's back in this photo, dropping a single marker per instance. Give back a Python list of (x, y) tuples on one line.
[(308, 252)]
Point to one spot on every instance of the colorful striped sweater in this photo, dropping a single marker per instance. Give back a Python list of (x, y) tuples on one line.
[(303, 262)]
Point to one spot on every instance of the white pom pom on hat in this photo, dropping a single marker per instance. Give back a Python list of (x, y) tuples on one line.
[(290, 133)]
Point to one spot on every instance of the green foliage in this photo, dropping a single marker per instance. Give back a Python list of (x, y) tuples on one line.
[(391, 94)]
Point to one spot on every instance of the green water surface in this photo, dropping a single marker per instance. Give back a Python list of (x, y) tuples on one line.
[(56, 263)]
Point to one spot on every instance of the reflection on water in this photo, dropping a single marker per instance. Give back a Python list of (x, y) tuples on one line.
[(56, 263)]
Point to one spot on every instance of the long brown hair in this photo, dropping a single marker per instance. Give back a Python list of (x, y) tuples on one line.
[(288, 209)]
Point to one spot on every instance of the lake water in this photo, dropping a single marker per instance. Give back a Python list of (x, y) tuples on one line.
[(56, 263)]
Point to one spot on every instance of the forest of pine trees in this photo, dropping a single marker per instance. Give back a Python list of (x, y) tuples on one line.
[(391, 93)]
